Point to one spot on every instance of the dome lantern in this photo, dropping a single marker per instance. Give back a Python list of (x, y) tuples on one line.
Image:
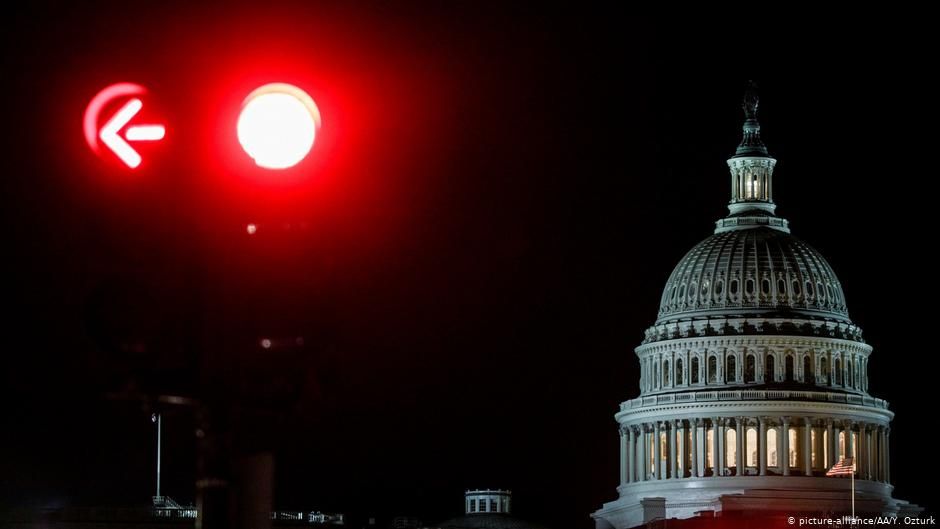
[(752, 169)]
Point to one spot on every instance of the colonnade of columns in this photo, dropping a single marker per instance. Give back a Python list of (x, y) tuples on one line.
[(699, 447)]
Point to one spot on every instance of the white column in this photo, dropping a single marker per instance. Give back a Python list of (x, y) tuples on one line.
[(882, 456), (739, 433), (785, 461), (683, 449), (674, 449), (849, 442), (670, 450), (887, 454), (644, 438), (695, 426), (716, 450), (835, 428), (720, 443), (807, 447), (762, 446), (623, 454), (631, 455), (862, 451), (657, 453), (883, 450)]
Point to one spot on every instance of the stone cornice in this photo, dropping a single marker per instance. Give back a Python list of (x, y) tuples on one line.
[(769, 340)]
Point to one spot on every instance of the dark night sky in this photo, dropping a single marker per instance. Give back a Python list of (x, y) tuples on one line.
[(493, 207)]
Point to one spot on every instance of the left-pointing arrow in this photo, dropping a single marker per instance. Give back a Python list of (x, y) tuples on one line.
[(110, 137)]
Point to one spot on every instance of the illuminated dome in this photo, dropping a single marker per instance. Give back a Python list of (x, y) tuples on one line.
[(754, 271), (753, 380)]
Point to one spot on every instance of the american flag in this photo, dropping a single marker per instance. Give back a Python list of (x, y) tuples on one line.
[(844, 467)]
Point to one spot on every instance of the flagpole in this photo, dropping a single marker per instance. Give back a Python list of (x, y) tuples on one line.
[(853, 492)]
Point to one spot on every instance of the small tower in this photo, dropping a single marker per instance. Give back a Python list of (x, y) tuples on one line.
[(488, 501), (752, 167)]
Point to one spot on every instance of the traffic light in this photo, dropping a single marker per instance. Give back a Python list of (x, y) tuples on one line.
[(277, 124), (107, 121)]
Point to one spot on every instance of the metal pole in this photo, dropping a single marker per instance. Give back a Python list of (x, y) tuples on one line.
[(853, 492), (159, 435)]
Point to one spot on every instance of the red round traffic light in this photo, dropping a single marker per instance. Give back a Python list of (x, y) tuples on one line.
[(277, 125)]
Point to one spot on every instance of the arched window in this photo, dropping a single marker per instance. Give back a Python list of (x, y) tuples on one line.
[(816, 447), (731, 448), (848, 369), (731, 374), (680, 374), (771, 447), (712, 370), (808, 377), (789, 368), (769, 369), (837, 368), (824, 366), (794, 444), (749, 367), (656, 375), (751, 442), (666, 373), (709, 447), (693, 373)]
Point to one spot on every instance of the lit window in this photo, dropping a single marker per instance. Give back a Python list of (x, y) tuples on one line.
[(751, 439), (731, 447), (817, 455), (794, 442), (771, 447), (709, 447)]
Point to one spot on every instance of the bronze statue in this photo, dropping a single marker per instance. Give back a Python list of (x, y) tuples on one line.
[(750, 101)]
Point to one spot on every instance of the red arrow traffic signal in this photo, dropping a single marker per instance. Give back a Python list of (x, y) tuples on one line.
[(110, 132)]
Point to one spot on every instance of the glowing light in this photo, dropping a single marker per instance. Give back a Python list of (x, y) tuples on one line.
[(101, 99), (266, 343), (109, 134), (145, 133), (251, 229), (278, 125)]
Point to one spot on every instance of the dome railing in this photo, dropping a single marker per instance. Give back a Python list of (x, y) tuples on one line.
[(733, 395)]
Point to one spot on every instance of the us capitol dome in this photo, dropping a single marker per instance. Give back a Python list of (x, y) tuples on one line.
[(754, 380)]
